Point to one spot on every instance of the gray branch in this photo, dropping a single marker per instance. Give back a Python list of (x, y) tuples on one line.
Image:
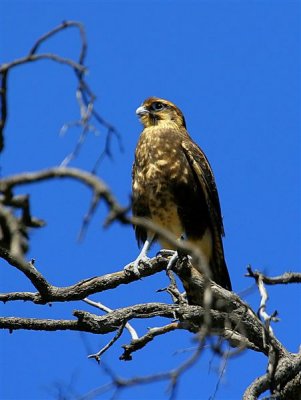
[(49, 293), (284, 279), (288, 369)]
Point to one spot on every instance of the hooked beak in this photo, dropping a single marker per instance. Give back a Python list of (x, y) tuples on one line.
[(141, 111)]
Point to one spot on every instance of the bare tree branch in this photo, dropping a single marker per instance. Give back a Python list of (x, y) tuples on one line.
[(288, 369), (28, 270), (97, 355), (37, 57), (83, 89), (287, 277), (141, 342), (92, 323), (78, 291), (59, 28), (241, 321), (99, 187), (102, 307)]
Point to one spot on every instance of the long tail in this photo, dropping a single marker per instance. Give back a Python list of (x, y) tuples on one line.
[(218, 265)]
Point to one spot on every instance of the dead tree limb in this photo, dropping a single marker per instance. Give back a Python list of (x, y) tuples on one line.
[(225, 315)]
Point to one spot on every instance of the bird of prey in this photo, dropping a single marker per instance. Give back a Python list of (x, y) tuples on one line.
[(173, 186)]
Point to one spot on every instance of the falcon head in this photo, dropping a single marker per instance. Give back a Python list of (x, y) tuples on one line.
[(155, 111)]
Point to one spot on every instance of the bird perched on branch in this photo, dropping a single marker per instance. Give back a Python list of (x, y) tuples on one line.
[(173, 186)]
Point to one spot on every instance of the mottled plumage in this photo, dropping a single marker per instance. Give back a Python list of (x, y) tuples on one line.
[(173, 185)]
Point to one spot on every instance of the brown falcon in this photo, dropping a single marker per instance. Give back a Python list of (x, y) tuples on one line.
[(173, 185)]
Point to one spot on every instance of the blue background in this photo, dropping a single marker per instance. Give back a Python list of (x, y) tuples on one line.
[(233, 67)]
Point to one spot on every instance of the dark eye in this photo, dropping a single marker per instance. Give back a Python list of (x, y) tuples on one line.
[(157, 106)]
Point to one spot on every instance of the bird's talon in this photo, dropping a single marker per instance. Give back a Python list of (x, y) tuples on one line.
[(165, 253), (172, 261), (132, 268)]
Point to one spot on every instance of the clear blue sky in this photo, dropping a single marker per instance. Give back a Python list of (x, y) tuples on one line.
[(233, 67)]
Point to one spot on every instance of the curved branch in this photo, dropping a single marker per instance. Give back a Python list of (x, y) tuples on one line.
[(29, 270), (45, 56), (287, 277), (78, 67), (102, 307), (98, 186), (57, 29), (79, 291), (288, 368), (142, 341)]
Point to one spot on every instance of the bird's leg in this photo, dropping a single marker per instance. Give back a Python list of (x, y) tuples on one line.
[(174, 257), (173, 254), (133, 266)]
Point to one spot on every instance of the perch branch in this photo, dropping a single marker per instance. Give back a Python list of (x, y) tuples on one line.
[(190, 317), (77, 291), (171, 376)]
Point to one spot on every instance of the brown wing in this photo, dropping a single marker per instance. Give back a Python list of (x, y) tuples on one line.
[(202, 170), (201, 167)]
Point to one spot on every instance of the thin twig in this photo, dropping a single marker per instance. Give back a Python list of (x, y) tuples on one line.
[(57, 29), (87, 97), (43, 56), (263, 302), (119, 383), (224, 362), (172, 289), (102, 307), (88, 216), (84, 122), (176, 373), (141, 342), (287, 277), (97, 355)]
